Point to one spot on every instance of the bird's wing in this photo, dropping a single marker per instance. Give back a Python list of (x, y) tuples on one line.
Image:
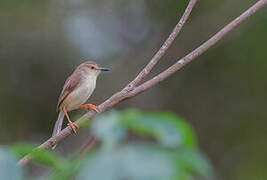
[(71, 83)]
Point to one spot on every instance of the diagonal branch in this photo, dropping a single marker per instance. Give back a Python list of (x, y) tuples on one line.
[(198, 51), (164, 47), (128, 93)]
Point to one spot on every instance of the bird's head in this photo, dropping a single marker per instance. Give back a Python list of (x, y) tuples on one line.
[(91, 69)]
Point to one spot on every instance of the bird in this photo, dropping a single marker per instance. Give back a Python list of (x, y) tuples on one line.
[(77, 89)]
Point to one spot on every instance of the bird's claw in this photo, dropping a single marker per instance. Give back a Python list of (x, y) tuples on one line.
[(73, 126)]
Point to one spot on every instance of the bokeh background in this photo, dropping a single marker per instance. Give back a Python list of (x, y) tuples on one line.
[(222, 94)]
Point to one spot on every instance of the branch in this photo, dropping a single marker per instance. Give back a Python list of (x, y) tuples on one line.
[(164, 47), (198, 51), (130, 91)]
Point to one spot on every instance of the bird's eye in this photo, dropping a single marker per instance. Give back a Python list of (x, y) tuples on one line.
[(92, 67)]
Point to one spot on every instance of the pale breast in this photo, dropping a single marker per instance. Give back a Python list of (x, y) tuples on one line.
[(80, 95)]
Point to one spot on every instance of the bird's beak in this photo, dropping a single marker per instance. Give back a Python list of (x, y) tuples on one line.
[(103, 69)]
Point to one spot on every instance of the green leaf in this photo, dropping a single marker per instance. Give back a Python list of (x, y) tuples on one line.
[(69, 170), (42, 156), (22, 149), (127, 162), (8, 168), (143, 162), (191, 162), (169, 129)]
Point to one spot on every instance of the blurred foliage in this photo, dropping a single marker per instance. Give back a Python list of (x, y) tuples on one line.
[(39, 155), (142, 158), (172, 132)]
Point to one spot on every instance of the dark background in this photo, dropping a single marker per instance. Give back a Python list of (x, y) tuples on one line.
[(223, 93)]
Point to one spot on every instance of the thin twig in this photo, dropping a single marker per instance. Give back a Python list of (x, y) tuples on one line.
[(164, 47), (124, 94)]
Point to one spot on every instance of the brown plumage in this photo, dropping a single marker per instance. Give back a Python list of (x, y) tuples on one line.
[(74, 80), (71, 83)]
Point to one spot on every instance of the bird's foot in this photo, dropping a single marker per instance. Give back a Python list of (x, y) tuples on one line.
[(73, 126), (89, 106)]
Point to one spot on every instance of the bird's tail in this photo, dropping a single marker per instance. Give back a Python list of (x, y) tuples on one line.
[(58, 125)]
